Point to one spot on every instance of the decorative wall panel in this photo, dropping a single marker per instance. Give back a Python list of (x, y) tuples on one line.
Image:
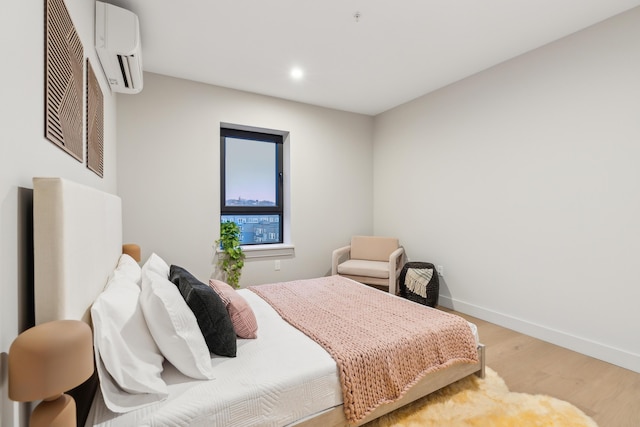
[(64, 59), (95, 123)]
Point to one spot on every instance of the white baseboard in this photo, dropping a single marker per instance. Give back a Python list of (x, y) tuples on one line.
[(591, 348)]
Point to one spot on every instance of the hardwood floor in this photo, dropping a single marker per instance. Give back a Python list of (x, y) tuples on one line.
[(607, 393)]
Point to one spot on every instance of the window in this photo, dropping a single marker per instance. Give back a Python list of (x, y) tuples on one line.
[(251, 177)]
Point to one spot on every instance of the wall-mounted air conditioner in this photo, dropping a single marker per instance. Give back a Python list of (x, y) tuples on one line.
[(118, 47)]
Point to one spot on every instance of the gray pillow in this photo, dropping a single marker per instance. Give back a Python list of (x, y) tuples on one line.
[(210, 311)]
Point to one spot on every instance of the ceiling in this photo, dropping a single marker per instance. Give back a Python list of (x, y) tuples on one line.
[(394, 52)]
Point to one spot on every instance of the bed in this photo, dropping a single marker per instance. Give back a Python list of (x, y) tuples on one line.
[(282, 378)]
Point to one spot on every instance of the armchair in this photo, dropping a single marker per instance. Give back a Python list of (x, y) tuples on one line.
[(372, 260)]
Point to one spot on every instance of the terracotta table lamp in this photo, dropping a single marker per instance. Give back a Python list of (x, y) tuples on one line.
[(44, 362)]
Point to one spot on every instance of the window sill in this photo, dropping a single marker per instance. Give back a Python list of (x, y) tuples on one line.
[(283, 250)]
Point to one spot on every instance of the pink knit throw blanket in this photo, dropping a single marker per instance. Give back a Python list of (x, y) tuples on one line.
[(382, 344)]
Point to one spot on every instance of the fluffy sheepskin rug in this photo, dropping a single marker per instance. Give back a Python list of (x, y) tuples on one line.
[(485, 403)]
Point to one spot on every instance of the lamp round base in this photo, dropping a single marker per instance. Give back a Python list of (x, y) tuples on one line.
[(55, 413)]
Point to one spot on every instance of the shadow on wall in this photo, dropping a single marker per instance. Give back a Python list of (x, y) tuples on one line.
[(13, 413), (26, 309), (6, 406), (444, 293)]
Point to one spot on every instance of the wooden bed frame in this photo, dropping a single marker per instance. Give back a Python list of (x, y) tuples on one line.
[(77, 244), (430, 383)]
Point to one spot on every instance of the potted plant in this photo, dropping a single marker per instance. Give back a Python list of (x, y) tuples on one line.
[(230, 254)]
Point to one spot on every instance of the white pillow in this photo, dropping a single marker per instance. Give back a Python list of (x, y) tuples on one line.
[(127, 268), (157, 265), (123, 344), (172, 323)]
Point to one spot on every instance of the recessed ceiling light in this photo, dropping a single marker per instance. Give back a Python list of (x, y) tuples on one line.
[(297, 73)]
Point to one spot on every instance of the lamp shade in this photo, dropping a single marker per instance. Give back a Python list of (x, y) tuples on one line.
[(132, 250), (49, 359)]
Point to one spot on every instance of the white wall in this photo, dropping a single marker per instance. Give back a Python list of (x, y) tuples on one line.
[(169, 174), (523, 182), (25, 153)]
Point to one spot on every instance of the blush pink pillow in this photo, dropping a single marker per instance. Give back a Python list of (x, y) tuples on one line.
[(242, 317)]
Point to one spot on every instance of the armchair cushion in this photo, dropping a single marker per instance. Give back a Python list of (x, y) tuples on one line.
[(373, 248), (359, 267)]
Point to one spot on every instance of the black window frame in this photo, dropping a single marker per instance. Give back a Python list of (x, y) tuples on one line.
[(278, 209)]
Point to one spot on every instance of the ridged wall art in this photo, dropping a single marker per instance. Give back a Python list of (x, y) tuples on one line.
[(95, 123), (64, 60)]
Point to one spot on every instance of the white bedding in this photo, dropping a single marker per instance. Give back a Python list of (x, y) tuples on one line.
[(276, 379)]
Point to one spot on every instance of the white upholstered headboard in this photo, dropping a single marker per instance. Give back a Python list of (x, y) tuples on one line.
[(77, 243)]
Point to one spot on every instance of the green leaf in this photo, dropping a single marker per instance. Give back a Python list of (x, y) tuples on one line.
[(231, 259)]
